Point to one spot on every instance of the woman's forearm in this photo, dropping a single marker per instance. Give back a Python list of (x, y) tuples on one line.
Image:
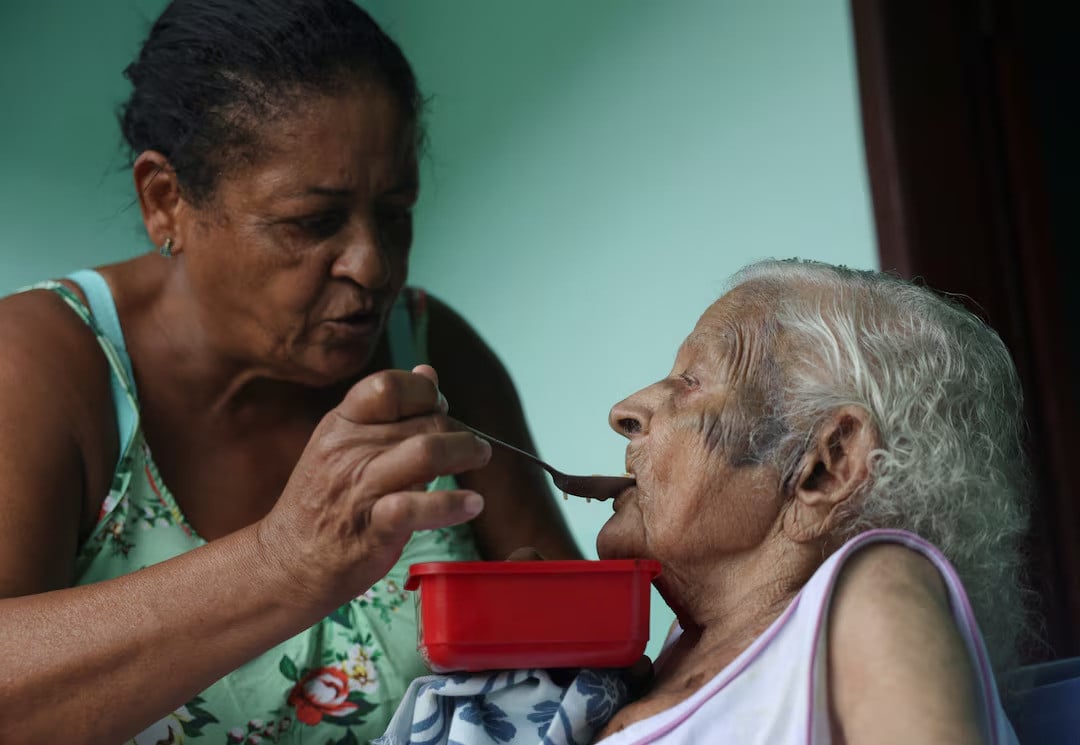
[(99, 663)]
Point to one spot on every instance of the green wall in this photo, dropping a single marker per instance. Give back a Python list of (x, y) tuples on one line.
[(65, 200), (597, 169)]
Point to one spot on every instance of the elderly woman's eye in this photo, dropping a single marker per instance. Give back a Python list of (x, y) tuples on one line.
[(689, 379)]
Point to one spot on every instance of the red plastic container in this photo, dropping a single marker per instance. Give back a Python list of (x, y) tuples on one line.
[(484, 615)]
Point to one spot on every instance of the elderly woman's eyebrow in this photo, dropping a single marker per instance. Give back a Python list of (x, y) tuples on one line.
[(714, 345)]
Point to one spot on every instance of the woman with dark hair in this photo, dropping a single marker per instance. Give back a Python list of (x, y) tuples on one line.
[(213, 457)]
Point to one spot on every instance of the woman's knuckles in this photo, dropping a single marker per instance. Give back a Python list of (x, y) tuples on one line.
[(383, 388), (392, 517), (454, 449), (430, 450), (398, 515)]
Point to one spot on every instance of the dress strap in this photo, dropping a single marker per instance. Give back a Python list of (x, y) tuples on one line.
[(102, 319), (103, 308)]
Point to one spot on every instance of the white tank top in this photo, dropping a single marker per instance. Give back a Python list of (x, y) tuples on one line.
[(775, 692)]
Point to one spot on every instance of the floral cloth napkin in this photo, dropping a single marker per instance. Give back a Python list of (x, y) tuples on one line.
[(512, 707)]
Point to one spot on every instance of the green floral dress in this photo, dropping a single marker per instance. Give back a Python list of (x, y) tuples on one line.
[(338, 682)]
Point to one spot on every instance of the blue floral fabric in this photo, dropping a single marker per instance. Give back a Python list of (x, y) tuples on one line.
[(512, 707)]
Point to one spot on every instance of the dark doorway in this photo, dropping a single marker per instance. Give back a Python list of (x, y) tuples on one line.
[(971, 126)]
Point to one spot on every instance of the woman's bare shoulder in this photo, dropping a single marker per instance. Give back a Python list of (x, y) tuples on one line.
[(58, 440), (899, 668), (884, 568), (46, 347)]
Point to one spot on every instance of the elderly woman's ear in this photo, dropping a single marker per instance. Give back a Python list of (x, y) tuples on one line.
[(832, 472)]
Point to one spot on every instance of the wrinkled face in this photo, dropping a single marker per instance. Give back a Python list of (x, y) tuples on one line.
[(697, 498), (297, 258)]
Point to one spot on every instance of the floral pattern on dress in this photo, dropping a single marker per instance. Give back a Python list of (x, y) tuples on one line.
[(328, 693), (386, 597), (186, 722), (359, 665), (258, 731)]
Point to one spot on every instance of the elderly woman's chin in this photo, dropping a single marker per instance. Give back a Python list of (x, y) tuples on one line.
[(618, 540)]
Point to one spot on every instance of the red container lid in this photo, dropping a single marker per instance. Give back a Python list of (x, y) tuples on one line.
[(502, 568)]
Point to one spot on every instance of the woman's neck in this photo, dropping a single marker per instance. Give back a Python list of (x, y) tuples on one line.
[(721, 617), (725, 605)]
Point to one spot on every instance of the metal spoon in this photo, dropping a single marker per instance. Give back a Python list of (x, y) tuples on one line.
[(590, 487)]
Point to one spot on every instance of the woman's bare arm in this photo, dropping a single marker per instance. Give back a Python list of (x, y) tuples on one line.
[(899, 671), (520, 508), (104, 661)]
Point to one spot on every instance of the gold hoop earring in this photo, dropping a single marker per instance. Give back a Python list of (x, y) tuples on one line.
[(166, 248)]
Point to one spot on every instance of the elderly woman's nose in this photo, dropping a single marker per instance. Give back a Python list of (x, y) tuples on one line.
[(630, 417), (363, 260)]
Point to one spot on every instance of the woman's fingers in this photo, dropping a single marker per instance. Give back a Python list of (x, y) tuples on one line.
[(389, 396), (396, 516), (421, 458), (357, 493), (429, 372)]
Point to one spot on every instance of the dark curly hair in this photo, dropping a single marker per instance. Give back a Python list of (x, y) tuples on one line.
[(211, 72)]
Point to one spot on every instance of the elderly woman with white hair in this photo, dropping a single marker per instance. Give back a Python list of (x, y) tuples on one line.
[(833, 479)]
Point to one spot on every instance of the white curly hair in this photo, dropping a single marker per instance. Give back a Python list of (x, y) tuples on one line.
[(945, 397)]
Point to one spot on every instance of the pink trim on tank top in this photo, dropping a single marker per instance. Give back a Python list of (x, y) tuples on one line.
[(715, 686)]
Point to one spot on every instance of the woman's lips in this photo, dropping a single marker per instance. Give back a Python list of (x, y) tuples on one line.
[(361, 323)]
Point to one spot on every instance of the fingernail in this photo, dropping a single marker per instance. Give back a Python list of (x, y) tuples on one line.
[(483, 442), (444, 405), (474, 504)]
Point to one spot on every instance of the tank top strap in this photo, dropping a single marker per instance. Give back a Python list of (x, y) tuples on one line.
[(99, 313)]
